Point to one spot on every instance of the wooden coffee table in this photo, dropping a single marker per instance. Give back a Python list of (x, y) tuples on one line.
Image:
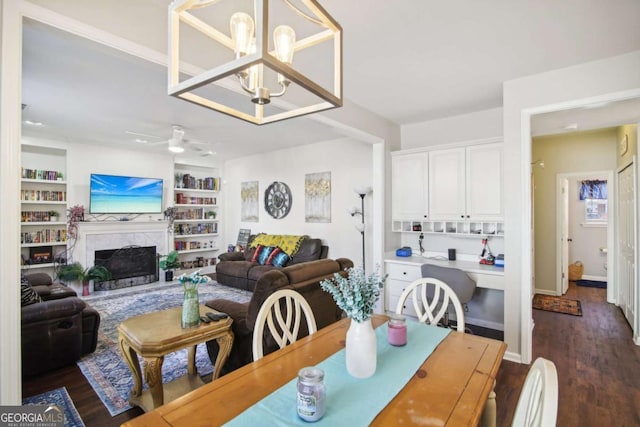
[(156, 334)]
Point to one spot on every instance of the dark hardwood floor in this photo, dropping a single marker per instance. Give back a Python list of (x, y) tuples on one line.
[(598, 365), (598, 370)]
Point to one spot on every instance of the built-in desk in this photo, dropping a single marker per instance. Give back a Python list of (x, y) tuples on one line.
[(487, 307)]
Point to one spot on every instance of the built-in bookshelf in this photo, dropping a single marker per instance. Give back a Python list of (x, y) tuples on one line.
[(43, 201), (196, 222)]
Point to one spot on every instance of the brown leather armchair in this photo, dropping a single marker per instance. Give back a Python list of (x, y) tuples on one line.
[(57, 332), (304, 278)]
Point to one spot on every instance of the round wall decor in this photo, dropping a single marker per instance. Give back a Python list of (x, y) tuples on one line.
[(277, 200)]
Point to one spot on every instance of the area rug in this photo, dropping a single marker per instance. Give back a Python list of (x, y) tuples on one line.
[(592, 284), (106, 370), (557, 304), (62, 400)]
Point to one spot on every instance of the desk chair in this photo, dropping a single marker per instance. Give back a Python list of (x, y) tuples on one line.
[(462, 285), (287, 328), (538, 402), (431, 298)]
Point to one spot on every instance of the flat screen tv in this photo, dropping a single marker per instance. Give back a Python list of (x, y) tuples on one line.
[(112, 194)]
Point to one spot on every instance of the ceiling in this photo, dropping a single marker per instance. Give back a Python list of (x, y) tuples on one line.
[(407, 61)]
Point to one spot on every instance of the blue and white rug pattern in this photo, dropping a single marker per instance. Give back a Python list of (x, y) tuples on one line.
[(106, 370), (62, 400)]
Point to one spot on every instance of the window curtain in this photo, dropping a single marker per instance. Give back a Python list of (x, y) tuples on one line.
[(593, 189)]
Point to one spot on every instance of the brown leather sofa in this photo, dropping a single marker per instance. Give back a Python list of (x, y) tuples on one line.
[(57, 331), (304, 278), (235, 269)]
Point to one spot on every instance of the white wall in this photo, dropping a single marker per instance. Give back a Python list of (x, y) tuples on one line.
[(465, 127), (350, 164), (607, 79)]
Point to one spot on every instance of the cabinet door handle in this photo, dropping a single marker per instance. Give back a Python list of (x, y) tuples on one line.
[(468, 216), (461, 216), (404, 272), (425, 216)]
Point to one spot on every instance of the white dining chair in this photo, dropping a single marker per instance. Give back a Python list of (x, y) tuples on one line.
[(430, 301), (538, 402), (284, 327)]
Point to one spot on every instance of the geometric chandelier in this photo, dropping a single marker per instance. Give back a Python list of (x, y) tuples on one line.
[(256, 66)]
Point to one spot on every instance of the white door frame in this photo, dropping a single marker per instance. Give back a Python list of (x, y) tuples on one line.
[(561, 269), (562, 234)]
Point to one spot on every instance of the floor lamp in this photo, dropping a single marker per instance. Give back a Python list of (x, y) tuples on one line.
[(362, 192)]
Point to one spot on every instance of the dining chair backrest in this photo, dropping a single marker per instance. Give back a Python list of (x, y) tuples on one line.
[(430, 299), (538, 402), (284, 327)]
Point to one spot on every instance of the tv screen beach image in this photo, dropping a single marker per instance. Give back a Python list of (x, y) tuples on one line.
[(125, 194)]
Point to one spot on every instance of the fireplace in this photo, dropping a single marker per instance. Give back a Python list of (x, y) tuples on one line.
[(95, 236), (129, 266)]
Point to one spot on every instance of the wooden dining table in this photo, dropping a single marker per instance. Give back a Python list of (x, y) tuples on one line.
[(450, 388)]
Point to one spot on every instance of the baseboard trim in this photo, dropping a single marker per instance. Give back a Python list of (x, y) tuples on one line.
[(545, 292), (596, 278), (512, 357), (485, 323)]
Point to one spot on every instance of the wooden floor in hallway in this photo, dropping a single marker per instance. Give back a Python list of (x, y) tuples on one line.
[(597, 362), (598, 370)]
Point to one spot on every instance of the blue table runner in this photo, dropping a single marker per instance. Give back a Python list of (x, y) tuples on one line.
[(351, 401)]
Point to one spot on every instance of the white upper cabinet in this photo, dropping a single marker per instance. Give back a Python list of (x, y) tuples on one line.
[(484, 182), (409, 178), (447, 184), (466, 183)]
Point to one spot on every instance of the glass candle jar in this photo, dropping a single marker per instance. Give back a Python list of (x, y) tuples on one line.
[(311, 393), (397, 330)]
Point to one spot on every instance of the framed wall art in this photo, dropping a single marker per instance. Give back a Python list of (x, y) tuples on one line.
[(249, 201), (317, 197)]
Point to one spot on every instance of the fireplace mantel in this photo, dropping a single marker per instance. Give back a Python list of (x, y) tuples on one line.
[(103, 235), (98, 227)]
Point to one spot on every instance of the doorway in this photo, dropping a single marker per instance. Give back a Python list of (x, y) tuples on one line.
[(584, 228)]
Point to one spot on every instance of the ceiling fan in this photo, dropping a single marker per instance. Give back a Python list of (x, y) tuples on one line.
[(177, 143)]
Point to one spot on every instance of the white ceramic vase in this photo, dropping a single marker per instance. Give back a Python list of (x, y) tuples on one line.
[(361, 353)]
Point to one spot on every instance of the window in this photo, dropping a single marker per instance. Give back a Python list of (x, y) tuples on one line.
[(595, 210), (594, 195)]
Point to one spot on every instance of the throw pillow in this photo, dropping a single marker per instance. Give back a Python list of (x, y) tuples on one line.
[(280, 259), (256, 253), (28, 295), (264, 254), (274, 252)]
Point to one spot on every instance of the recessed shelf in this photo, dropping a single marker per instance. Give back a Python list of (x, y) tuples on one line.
[(43, 181), (191, 251), (452, 228), (40, 224), (34, 245), (190, 236)]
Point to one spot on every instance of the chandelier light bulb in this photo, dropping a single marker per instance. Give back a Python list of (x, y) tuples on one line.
[(284, 38), (253, 70), (242, 28)]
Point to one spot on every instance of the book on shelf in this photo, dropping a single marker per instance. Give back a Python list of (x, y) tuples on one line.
[(44, 175)]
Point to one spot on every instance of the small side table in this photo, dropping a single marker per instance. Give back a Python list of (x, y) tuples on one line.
[(152, 336)]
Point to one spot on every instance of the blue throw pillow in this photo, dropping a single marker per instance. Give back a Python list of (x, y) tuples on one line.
[(280, 260), (264, 254)]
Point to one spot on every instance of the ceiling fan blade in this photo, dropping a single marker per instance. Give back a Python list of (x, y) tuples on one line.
[(128, 132)]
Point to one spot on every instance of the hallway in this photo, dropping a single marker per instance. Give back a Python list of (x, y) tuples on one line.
[(598, 364)]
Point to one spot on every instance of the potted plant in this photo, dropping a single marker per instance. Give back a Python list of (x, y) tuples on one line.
[(53, 216), (60, 176), (211, 214), (168, 263), (75, 272), (75, 214), (357, 294)]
